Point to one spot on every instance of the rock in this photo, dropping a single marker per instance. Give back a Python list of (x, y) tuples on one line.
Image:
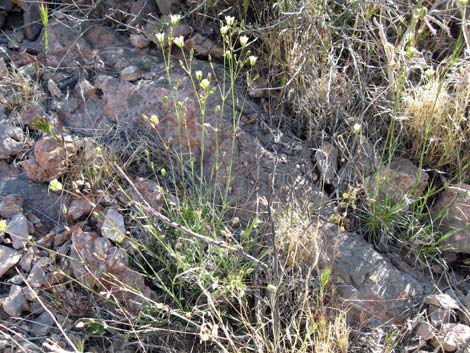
[(31, 112), (113, 226), (366, 281), (443, 301), (453, 336), (10, 205), (15, 303), (32, 20), (131, 73), (37, 276), (454, 207), (49, 159), (3, 68), (11, 139), (139, 41), (46, 205), (438, 316), (204, 46), (53, 89), (78, 208), (42, 325), (149, 190), (26, 261), (6, 5), (8, 259), (327, 162), (152, 28), (96, 262), (18, 230), (398, 180), (425, 331)]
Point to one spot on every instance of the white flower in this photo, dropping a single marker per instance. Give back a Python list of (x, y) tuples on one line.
[(243, 41), (357, 128), (224, 30), (55, 185), (199, 75), (252, 59), (160, 37), (205, 84), (179, 41), (175, 19), (230, 20)]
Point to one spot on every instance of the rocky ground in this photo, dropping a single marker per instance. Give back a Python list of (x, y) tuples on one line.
[(93, 86)]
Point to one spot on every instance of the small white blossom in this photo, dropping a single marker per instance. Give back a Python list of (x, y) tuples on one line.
[(224, 30), (252, 59), (179, 41), (243, 41), (230, 20), (160, 37), (357, 128), (199, 75), (175, 19), (205, 84)]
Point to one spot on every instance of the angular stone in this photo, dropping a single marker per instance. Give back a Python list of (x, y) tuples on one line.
[(398, 180), (42, 325), (443, 301), (53, 89), (454, 207), (8, 259), (113, 226), (32, 20), (139, 41), (15, 303), (131, 73), (19, 231), (96, 262), (11, 205), (37, 276), (454, 336), (78, 208), (378, 289), (204, 46), (11, 139), (49, 158), (37, 198)]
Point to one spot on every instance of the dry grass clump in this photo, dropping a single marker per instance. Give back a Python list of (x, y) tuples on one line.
[(18, 90), (436, 121), (297, 238)]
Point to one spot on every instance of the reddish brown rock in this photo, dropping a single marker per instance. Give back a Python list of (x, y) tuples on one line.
[(10, 205), (398, 179), (78, 208), (98, 264), (204, 46), (453, 213), (49, 159)]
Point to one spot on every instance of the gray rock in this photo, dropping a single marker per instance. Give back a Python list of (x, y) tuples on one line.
[(42, 325), (18, 230), (8, 259), (3, 65), (454, 207), (113, 226), (443, 301), (15, 303), (139, 40), (453, 336), (376, 287), (11, 205), (37, 276), (6, 5), (26, 261), (131, 73), (32, 20), (44, 204), (11, 139), (327, 162)]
